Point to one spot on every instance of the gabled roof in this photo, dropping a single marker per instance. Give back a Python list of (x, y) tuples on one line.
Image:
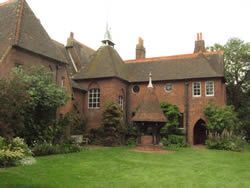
[(177, 67), (20, 27), (106, 62), (79, 53), (149, 109)]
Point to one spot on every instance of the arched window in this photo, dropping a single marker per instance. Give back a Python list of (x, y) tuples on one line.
[(121, 101), (94, 98)]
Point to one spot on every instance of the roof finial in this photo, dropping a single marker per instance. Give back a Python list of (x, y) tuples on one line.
[(107, 37), (150, 85)]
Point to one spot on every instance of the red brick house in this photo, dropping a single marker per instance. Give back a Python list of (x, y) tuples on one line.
[(189, 81)]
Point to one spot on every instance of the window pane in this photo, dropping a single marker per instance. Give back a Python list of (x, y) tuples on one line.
[(94, 98), (196, 88)]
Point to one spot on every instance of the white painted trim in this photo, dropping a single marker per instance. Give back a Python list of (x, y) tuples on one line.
[(206, 88), (99, 99), (73, 62), (193, 89)]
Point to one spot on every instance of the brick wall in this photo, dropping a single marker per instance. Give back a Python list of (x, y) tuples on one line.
[(177, 97), (27, 59), (111, 89)]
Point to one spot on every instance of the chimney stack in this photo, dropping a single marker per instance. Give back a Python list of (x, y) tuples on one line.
[(70, 40), (199, 44), (140, 50)]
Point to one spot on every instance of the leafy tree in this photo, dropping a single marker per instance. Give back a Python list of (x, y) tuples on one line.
[(237, 69), (13, 101), (172, 113), (221, 118), (30, 99), (237, 73)]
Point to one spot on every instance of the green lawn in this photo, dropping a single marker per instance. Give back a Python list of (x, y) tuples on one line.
[(121, 167)]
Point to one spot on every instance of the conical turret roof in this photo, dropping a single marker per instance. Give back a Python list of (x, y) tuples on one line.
[(105, 62), (149, 110)]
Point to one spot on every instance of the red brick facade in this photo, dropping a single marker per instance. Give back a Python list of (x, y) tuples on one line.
[(28, 44), (110, 90), (177, 97)]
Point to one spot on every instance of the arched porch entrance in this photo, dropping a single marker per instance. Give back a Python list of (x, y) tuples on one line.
[(200, 132)]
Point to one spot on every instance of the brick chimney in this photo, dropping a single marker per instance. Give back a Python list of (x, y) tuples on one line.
[(199, 44), (70, 40), (140, 50)]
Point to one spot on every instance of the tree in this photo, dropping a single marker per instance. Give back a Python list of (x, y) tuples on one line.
[(13, 101), (221, 118), (237, 69), (172, 113), (31, 99), (237, 73)]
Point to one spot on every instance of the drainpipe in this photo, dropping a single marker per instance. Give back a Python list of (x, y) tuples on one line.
[(186, 108), (127, 99)]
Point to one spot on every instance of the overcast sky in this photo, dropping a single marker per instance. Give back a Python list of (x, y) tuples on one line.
[(168, 27)]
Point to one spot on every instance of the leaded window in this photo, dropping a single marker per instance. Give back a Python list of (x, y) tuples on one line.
[(196, 89), (209, 88), (94, 98)]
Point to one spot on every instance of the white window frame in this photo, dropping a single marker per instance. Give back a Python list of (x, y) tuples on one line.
[(193, 89), (206, 87), (94, 95), (121, 101)]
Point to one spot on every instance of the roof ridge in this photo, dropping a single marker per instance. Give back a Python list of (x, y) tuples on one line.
[(171, 57), (113, 63), (19, 11), (83, 45)]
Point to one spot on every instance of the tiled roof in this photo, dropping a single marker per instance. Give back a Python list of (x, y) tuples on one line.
[(194, 66), (79, 53), (149, 109), (106, 62), (20, 27)]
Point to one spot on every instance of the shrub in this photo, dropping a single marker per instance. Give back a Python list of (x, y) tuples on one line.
[(174, 141), (112, 131), (221, 118), (10, 158), (49, 149), (11, 152), (131, 141), (225, 142), (172, 114)]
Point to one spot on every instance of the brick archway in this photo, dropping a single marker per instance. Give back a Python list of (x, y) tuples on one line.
[(200, 132)]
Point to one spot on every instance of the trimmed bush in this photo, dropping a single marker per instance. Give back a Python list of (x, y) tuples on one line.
[(174, 141), (131, 141), (49, 149), (225, 142)]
